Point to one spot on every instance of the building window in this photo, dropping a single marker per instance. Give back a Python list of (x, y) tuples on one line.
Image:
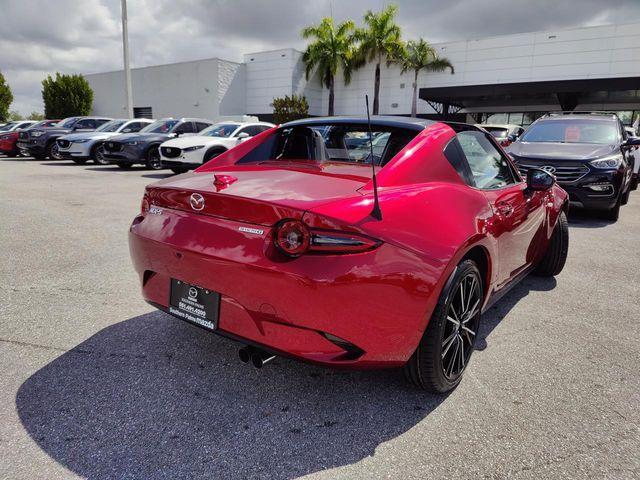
[(142, 112)]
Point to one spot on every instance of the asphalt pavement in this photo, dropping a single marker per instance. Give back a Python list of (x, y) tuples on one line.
[(96, 384)]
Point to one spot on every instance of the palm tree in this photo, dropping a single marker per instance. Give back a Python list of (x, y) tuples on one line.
[(380, 39), (419, 55), (332, 49)]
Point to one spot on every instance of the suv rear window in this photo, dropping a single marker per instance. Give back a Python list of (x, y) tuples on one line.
[(601, 132)]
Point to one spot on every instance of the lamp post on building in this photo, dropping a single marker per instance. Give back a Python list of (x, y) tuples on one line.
[(125, 52)]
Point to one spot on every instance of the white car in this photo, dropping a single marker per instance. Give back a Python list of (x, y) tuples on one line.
[(184, 153), (17, 125), (84, 146)]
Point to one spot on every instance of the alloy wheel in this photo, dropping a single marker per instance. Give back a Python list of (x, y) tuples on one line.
[(154, 160), (461, 328), (99, 155), (55, 152)]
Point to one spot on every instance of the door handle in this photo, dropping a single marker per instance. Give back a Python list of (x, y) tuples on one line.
[(505, 209)]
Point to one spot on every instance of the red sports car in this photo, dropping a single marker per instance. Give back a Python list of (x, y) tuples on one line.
[(289, 244)]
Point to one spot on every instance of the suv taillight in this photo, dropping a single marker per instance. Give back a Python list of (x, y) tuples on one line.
[(294, 238)]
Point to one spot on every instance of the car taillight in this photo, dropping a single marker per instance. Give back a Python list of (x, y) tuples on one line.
[(144, 205), (293, 238)]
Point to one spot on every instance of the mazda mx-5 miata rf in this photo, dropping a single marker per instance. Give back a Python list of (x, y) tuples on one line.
[(289, 244)]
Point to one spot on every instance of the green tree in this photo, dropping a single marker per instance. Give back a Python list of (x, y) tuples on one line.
[(288, 108), (332, 49), (6, 97), (35, 116), (419, 55), (15, 116), (381, 39), (66, 96)]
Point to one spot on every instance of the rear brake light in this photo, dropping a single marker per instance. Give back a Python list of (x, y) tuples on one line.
[(293, 238), (144, 205)]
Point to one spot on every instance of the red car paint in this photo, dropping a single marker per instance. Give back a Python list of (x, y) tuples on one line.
[(379, 300), (8, 142)]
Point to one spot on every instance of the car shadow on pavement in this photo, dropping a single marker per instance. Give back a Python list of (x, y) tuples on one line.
[(492, 317), (99, 168), (582, 218), (153, 397)]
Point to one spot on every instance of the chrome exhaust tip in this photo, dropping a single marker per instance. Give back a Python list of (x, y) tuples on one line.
[(259, 358), (245, 354)]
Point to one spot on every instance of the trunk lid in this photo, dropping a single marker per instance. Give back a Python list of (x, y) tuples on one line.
[(260, 193)]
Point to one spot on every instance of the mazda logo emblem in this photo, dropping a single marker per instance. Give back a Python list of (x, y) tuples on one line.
[(549, 169), (193, 292), (196, 201)]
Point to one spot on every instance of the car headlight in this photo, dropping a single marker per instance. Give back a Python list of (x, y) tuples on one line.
[(80, 141), (194, 148), (133, 142), (36, 133), (612, 161)]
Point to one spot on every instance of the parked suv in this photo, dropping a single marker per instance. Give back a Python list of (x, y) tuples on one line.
[(589, 153), (41, 142), (142, 147), (9, 137), (182, 154), (81, 147)]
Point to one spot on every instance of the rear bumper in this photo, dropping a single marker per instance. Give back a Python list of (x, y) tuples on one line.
[(377, 301)]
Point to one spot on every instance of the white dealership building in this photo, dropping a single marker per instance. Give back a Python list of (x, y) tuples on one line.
[(510, 78)]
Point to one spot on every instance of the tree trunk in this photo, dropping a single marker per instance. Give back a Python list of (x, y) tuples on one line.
[(414, 101), (331, 96), (376, 91)]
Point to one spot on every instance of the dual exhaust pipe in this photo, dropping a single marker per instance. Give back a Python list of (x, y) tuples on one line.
[(254, 355)]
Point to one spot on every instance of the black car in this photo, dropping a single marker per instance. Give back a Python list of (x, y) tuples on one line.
[(590, 154), (40, 142), (142, 147)]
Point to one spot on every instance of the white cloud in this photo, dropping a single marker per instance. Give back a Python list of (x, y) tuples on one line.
[(43, 36)]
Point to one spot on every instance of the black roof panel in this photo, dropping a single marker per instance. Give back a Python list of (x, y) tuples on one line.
[(379, 120)]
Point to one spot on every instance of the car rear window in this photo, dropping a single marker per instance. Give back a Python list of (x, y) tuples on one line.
[(340, 143)]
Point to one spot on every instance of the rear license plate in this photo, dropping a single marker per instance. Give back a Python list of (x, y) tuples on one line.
[(194, 304)]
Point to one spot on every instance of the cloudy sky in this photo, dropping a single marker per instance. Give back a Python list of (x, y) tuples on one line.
[(39, 37)]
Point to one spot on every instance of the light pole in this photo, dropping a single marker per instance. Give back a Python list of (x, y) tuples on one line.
[(125, 51)]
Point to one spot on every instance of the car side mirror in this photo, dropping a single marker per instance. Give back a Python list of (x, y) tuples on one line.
[(512, 138), (538, 180), (242, 136), (126, 130)]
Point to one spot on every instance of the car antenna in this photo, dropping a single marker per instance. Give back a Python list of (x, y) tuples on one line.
[(376, 212)]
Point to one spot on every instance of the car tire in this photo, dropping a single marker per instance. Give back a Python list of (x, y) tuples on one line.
[(430, 367), (97, 155), (634, 183), (53, 152), (154, 162), (213, 153), (625, 197), (124, 166), (556, 255)]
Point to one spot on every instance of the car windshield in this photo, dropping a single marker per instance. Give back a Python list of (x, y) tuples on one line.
[(334, 143), (497, 132), (111, 126), (601, 132), (219, 130), (161, 126), (6, 127), (68, 122)]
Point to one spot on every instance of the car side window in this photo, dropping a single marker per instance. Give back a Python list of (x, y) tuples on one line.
[(489, 168), (135, 126), (86, 123), (201, 126), (186, 127), (101, 121), (250, 130)]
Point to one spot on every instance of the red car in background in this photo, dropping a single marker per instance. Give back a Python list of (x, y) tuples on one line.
[(9, 140), (280, 244)]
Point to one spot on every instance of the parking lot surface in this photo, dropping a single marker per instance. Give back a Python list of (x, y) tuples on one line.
[(96, 384)]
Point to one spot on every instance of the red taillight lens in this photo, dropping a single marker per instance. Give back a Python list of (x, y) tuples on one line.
[(144, 205), (294, 238)]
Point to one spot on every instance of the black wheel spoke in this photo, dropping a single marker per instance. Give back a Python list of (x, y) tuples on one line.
[(461, 325)]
